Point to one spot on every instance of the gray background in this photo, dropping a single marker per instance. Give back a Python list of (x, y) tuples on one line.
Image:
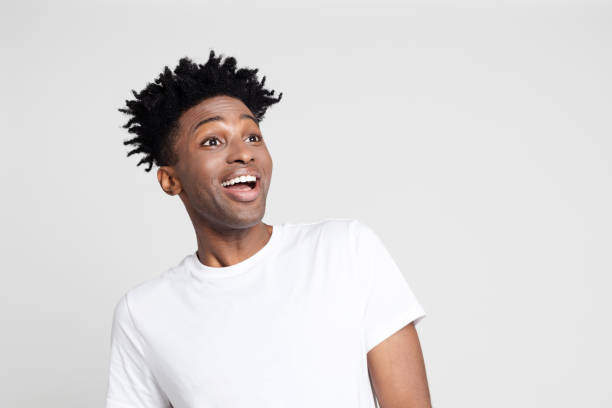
[(473, 137)]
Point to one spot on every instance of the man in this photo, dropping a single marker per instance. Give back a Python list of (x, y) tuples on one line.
[(285, 315)]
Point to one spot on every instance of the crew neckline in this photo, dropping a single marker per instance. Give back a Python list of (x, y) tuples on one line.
[(220, 272)]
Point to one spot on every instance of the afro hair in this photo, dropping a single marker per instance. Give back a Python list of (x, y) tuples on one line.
[(156, 109)]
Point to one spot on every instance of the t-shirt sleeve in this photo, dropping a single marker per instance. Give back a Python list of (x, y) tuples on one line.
[(390, 303), (131, 383)]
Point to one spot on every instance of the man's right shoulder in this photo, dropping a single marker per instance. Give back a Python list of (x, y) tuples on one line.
[(147, 293)]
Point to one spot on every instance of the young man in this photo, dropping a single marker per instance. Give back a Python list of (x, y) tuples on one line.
[(284, 315)]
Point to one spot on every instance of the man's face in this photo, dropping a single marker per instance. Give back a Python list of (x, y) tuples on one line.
[(218, 139)]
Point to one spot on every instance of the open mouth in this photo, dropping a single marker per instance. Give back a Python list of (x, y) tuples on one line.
[(244, 191), (242, 186)]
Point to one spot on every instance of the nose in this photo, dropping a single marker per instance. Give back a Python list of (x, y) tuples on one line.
[(239, 151)]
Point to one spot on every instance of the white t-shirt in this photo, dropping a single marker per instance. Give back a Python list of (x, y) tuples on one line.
[(289, 326)]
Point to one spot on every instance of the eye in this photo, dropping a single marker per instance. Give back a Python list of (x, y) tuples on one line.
[(210, 138), (256, 136)]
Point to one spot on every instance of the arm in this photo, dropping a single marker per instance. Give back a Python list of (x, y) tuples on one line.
[(397, 370), (391, 312), (131, 383)]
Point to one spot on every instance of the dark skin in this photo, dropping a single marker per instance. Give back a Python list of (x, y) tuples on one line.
[(229, 231), (398, 372)]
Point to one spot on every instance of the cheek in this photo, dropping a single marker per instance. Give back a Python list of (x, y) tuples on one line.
[(266, 161), (204, 174)]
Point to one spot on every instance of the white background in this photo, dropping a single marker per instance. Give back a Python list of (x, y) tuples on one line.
[(474, 137)]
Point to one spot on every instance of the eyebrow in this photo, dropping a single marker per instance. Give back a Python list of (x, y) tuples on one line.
[(220, 118)]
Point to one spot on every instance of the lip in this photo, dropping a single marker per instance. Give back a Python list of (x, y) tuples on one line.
[(244, 196), (243, 172)]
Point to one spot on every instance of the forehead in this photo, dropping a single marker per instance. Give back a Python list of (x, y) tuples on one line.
[(221, 105)]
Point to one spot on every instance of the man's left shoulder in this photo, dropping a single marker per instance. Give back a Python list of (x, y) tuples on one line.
[(341, 226), (338, 231)]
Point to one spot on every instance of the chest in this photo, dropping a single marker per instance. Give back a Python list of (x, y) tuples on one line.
[(272, 342)]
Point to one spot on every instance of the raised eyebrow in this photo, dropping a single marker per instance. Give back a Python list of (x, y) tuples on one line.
[(202, 122), (220, 118), (247, 116)]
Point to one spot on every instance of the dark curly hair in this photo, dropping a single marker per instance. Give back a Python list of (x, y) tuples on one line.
[(156, 109)]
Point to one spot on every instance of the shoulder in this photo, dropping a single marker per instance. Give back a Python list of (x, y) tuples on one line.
[(146, 296), (348, 237), (345, 236), (337, 227), (350, 230)]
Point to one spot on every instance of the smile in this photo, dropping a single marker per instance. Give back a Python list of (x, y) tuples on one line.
[(243, 188), (248, 180)]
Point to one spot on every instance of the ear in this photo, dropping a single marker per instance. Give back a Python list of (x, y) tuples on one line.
[(168, 180)]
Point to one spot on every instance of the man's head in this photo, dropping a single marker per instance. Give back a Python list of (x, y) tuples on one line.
[(200, 125)]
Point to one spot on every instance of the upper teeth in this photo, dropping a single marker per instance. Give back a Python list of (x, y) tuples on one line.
[(241, 179)]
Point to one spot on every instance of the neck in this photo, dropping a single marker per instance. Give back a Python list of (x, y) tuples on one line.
[(220, 248)]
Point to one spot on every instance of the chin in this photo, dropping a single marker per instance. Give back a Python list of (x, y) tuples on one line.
[(246, 219)]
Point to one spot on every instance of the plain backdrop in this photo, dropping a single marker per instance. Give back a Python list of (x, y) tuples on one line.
[(473, 137)]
